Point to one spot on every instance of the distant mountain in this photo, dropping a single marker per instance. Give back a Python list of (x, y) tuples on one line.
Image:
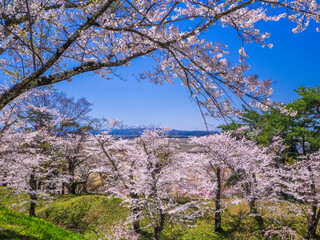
[(132, 133), (183, 133)]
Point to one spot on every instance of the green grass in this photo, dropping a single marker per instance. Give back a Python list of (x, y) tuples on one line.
[(19, 202), (18, 226), (89, 215), (94, 215), (16, 201)]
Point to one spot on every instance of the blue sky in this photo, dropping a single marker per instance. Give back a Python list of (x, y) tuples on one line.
[(293, 61)]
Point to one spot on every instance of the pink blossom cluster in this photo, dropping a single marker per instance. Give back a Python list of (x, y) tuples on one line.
[(121, 231), (282, 233), (45, 42)]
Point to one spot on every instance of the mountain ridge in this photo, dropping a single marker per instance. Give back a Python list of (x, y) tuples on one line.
[(174, 133)]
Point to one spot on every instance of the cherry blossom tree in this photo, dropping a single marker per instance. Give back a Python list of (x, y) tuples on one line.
[(112, 164), (45, 42), (10, 116), (221, 161), (299, 183), (77, 163), (28, 160), (29, 164), (37, 144), (144, 170), (247, 173), (11, 121)]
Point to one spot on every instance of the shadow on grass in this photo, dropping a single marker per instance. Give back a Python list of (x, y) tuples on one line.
[(10, 234), (240, 224)]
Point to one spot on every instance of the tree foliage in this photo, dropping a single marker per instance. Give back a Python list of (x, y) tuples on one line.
[(45, 42), (297, 123)]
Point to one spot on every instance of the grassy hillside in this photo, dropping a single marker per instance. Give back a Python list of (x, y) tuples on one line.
[(92, 216), (18, 226)]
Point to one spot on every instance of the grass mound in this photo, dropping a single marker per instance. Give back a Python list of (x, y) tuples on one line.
[(89, 215), (18, 226)]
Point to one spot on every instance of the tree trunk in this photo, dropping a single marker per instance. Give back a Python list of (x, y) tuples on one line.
[(71, 169), (62, 188), (33, 195), (84, 187), (136, 214), (157, 233), (136, 226), (217, 214), (314, 218), (312, 227), (72, 188), (158, 229), (32, 207), (255, 213), (303, 145), (136, 222), (313, 223)]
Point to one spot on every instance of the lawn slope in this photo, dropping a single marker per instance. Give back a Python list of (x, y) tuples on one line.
[(89, 215), (18, 226), (94, 216)]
